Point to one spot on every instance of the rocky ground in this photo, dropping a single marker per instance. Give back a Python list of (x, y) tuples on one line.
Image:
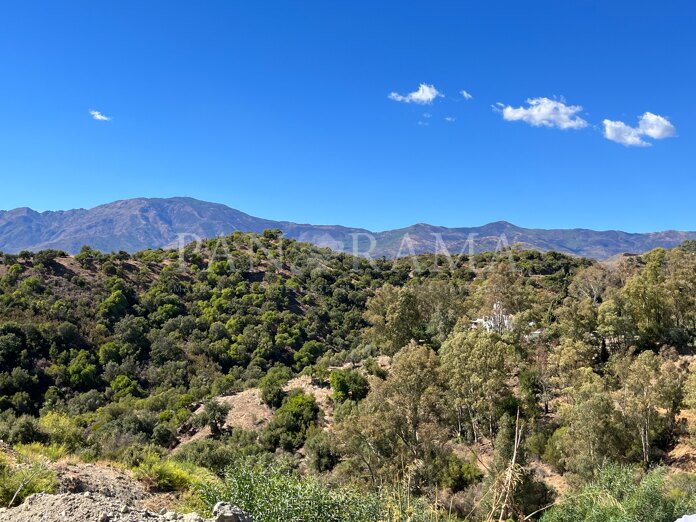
[(95, 507), (102, 492), (83, 506), (106, 480)]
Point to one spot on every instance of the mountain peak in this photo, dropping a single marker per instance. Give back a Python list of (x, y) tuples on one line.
[(141, 223)]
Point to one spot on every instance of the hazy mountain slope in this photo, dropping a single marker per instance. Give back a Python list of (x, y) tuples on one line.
[(136, 224), (582, 242)]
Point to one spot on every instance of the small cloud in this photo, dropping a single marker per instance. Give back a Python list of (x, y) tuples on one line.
[(657, 127), (427, 115), (650, 125), (619, 132), (425, 95), (424, 123), (544, 112), (96, 115), (450, 119), (466, 94)]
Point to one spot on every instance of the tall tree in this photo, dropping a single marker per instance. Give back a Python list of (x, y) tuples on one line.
[(649, 397), (589, 434), (477, 365), (399, 421)]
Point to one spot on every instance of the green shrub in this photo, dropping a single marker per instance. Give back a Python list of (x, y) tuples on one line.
[(308, 354), (36, 450), (20, 430), (271, 385), (164, 435), (617, 495), (62, 429), (321, 453), (216, 455), (213, 415), (288, 429), (17, 482), (457, 474), (163, 474), (681, 486), (271, 494), (123, 386), (553, 454), (348, 385), (373, 368)]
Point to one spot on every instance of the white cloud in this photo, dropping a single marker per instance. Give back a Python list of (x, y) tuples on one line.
[(545, 112), (425, 95), (619, 132), (465, 94), (99, 116), (655, 126), (450, 119), (651, 125)]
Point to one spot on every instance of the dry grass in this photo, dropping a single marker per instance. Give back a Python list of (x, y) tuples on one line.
[(683, 456)]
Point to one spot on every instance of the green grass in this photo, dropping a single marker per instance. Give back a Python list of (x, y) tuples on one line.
[(36, 451), (19, 480), (164, 474), (271, 494), (618, 495)]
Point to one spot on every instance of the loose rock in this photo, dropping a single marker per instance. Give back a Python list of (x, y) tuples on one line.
[(95, 507), (226, 512)]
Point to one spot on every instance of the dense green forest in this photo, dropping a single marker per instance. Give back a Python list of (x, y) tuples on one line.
[(487, 387)]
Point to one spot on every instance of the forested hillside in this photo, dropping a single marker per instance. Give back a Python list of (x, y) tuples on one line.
[(484, 387)]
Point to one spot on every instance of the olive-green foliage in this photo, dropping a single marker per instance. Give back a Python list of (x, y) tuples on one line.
[(397, 430), (456, 474), (37, 451), (105, 354), (348, 385), (527, 494), (272, 494), (131, 325), (308, 354), (321, 451), (213, 415), (373, 368), (18, 481), (165, 474), (20, 430), (291, 423), (62, 429), (217, 454), (272, 384), (618, 496)]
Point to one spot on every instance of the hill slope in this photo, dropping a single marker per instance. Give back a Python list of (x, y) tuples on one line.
[(142, 223)]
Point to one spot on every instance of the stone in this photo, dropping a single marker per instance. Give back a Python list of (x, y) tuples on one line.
[(226, 512), (192, 517)]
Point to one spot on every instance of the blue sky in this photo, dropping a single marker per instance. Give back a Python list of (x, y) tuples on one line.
[(282, 109)]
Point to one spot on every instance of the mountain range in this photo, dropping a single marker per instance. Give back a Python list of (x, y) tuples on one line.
[(141, 223)]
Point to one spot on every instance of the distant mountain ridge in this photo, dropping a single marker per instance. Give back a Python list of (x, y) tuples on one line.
[(141, 223)]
